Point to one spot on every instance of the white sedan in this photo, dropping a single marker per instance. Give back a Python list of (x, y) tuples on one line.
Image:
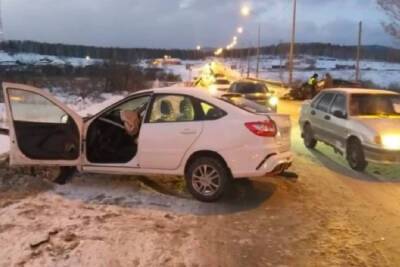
[(172, 131)]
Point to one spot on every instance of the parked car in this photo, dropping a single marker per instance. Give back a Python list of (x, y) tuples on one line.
[(255, 91), (361, 124), (171, 131), (219, 87)]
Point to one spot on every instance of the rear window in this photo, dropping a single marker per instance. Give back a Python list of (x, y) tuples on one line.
[(247, 105), (249, 88), (222, 82)]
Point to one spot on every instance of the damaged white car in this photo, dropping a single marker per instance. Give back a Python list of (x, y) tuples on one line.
[(172, 131)]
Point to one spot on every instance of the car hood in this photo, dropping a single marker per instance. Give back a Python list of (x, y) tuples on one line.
[(381, 124), (256, 96)]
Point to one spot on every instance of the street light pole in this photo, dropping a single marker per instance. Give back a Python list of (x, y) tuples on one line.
[(258, 50), (358, 74), (291, 54)]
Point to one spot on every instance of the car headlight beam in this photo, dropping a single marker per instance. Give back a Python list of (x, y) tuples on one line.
[(273, 101), (391, 142)]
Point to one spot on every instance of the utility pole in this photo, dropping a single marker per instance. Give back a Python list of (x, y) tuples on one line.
[(2, 38), (291, 53), (258, 50), (248, 62), (358, 73)]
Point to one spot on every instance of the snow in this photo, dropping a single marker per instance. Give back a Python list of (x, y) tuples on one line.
[(36, 59), (383, 74)]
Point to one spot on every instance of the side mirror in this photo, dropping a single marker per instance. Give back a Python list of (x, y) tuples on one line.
[(339, 114)]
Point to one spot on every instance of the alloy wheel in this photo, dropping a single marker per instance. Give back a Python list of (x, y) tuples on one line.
[(206, 180)]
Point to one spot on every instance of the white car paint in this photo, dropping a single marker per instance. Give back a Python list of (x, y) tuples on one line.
[(165, 148)]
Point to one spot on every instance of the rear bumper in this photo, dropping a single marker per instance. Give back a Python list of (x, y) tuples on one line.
[(271, 164), (382, 156)]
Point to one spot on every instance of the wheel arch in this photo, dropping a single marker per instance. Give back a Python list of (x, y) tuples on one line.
[(206, 153)]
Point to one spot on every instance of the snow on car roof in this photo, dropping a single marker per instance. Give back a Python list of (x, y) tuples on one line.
[(362, 91)]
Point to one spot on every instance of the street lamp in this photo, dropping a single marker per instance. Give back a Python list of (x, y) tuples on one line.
[(240, 30), (198, 48), (245, 11)]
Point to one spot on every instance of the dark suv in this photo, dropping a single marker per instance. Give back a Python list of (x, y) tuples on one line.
[(255, 91)]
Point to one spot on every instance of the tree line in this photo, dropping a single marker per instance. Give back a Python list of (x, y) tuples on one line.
[(130, 55)]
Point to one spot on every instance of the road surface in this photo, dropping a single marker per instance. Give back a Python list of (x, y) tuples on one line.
[(320, 213)]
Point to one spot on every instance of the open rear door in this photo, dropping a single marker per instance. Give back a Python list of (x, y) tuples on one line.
[(43, 131)]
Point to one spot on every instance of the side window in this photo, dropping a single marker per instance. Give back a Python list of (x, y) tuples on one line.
[(138, 105), (31, 107), (324, 103), (339, 104), (211, 112), (316, 100), (172, 108)]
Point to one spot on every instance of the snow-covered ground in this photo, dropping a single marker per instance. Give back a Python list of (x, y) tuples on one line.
[(381, 73), (36, 59)]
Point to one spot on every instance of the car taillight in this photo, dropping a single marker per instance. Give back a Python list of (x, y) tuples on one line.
[(262, 128)]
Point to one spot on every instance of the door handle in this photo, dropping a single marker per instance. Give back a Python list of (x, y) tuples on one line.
[(188, 132), (327, 117), (313, 112)]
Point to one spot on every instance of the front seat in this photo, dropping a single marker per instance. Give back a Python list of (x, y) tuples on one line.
[(186, 110), (165, 110)]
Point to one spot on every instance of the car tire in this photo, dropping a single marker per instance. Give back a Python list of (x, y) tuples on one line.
[(207, 179), (308, 137), (355, 155), (57, 175)]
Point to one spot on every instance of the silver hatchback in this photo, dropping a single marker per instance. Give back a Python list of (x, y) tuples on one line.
[(361, 124)]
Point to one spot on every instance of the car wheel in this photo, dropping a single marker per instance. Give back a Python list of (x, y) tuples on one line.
[(207, 179), (308, 137), (58, 175), (355, 155)]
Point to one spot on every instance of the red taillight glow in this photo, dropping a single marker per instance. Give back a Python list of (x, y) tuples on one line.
[(262, 128)]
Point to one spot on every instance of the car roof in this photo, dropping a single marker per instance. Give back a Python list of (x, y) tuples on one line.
[(192, 91), (360, 91), (248, 81)]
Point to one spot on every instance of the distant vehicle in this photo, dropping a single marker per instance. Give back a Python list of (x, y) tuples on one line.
[(219, 87), (255, 91), (361, 124), (171, 131), (304, 92)]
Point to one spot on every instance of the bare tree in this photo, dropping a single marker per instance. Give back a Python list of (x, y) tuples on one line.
[(392, 10)]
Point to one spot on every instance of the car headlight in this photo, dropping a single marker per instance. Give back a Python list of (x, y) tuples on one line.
[(273, 101), (391, 142)]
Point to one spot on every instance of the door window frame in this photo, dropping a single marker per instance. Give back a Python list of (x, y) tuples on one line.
[(38, 94), (330, 103), (196, 108), (345, 103), (92, 118)]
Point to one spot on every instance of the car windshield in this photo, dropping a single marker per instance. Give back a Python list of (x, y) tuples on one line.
[(249, 88), (222, 82), (375, 105), (247, 105)]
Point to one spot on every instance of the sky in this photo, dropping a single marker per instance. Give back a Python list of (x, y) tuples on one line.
[(188, 23)]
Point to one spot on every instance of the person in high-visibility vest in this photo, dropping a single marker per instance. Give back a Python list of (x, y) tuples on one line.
[(312, 84)]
